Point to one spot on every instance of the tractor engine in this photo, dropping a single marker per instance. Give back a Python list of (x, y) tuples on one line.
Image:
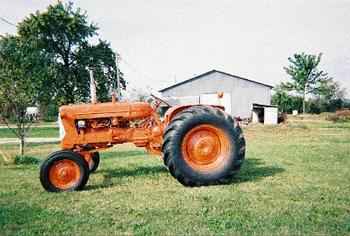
[(101, 125)]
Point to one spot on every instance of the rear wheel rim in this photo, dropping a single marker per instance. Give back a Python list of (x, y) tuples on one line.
[(205, 147), (64, 174)]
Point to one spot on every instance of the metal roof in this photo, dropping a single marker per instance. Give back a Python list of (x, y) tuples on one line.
[(210, 72)]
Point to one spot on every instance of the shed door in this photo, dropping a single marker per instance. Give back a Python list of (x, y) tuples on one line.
[(213, 99), (271, 115)]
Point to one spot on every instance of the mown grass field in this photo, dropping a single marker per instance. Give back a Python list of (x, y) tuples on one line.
[(37, 132), (295, 181)]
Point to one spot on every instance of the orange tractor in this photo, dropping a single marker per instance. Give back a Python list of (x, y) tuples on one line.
[(199, 144)]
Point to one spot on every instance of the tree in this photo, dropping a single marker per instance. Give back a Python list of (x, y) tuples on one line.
[(330, 97), (20, 79), (281, 99), (306, 77), (65, 35), (285, 101), (47, 62), (330, 90)]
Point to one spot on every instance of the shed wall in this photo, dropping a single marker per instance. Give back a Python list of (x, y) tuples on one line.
[(243, 93)]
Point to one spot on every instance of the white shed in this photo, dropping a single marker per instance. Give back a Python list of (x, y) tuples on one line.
[(239, 94)]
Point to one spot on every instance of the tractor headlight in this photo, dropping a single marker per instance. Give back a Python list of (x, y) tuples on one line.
[(81, 124)]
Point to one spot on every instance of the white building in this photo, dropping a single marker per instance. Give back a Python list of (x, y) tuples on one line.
[(240, 95)]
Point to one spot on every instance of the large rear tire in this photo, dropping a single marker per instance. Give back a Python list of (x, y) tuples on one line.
[(64, 171), (203, 146)]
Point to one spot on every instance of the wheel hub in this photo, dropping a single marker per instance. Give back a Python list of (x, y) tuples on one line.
[(204, 147), (64, 174)]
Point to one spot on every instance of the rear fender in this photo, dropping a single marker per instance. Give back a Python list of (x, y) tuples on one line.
[(173, 111)]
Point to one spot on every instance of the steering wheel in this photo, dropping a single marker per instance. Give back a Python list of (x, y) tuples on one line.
[(159, 101)]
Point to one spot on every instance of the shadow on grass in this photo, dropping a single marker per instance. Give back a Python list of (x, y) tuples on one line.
[(110, 174), (139, 171), (252, 170), (122, 154)]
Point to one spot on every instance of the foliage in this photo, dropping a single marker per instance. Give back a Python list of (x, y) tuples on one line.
[(49, 112), (319, 105), (306, 77), (285, 102), (64, 35), (330, 90), (26, 160), (330, 97), (20, 79), (324, 94), (46, 65)]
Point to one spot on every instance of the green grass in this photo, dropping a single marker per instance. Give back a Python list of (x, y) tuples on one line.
[(295, 181), (36, 132)]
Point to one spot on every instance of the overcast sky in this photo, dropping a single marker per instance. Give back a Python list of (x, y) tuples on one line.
[(163, 41)]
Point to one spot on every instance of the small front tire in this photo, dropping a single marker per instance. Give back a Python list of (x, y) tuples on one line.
[(64, 171), (95, 159)]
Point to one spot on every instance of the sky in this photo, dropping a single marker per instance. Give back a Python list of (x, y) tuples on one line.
[(162, 41)]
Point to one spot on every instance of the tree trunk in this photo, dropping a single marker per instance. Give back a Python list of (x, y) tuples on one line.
[(21, 146)]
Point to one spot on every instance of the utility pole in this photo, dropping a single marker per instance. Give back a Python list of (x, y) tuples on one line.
[(92, 87), (119, 96)]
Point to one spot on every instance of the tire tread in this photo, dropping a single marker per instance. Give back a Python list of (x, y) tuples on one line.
[(170, 134)]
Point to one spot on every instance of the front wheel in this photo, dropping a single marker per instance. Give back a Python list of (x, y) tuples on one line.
[(96, 161), (64, 171), (93, 161), (202, 146)]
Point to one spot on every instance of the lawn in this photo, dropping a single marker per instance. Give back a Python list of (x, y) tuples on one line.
[(295, 181), (36, 132)]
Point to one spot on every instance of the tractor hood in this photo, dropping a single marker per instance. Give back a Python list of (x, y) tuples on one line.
[(131, 111)]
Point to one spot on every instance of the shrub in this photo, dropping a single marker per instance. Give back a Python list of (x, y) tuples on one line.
[(26, 160)]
